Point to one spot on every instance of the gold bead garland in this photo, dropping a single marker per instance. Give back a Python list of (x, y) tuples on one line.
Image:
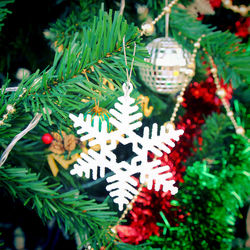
[(128, 208), (148, 28), (191, 66), (10, 107), (222, 94), (242, 9)]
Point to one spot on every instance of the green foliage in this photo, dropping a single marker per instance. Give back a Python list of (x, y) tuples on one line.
[(78, 72), (4, 11), (80, 69), (73, 211), (1, 240), (82, 15), (215, 186)]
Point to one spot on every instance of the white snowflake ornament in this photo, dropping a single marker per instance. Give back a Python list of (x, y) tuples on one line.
[(122, 185)]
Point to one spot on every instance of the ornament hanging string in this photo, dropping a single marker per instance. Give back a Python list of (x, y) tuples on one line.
[(167, 19), (122, 6)]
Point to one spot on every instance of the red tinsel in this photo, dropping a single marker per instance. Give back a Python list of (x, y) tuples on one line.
[(215, 3), (199, 101), (243, 27)]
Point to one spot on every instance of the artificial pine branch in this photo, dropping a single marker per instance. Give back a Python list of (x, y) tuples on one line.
[(4, 11), (73, 211), (79, 70), (82, 67)]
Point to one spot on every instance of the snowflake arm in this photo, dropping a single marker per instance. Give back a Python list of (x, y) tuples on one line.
[(124, 117), (122, 184), (158, 177), (156, 143)]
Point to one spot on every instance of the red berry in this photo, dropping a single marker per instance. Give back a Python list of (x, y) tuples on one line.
[(47, 138)]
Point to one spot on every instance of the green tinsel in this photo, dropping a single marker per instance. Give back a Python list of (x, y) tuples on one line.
[(214, 190)]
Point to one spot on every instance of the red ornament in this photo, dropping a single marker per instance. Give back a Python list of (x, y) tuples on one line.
[(47, 138)]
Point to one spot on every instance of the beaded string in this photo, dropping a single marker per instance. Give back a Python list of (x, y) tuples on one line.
[(242, 9), (191, 73), (221, 93), (10, 108), (128, 208), (166, 11)]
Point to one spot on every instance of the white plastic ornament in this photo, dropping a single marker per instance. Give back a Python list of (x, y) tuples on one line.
[(122, 185), (170, 66)]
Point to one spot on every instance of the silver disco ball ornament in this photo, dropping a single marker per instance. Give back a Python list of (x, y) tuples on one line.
[(171, 66)]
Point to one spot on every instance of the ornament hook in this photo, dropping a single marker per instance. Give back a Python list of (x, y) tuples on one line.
[(127, 86), (167, 9)]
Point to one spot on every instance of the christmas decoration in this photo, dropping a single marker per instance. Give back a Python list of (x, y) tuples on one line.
[(47, 138), (109, 83), (148, 29), (170, 66), (242, 9), (200, 7), (215, 3), (65, 163), (222, 94), (144, 101), (22, 73), (61, 142), (243, 27), (125, 120), (209, 165), (101, 113), (167, 124), (10, 108)]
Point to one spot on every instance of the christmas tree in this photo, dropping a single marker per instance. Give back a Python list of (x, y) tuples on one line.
[(124, 125)]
